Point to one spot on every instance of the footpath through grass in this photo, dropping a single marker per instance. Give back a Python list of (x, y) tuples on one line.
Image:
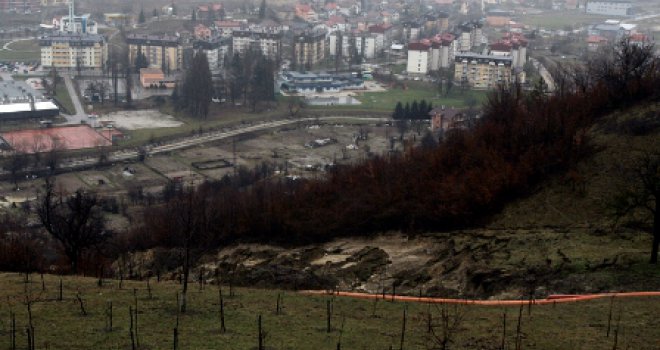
[(302, 322)]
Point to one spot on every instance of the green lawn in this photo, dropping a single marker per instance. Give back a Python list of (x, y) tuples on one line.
[(62, 96), (560, 19), (22, 50), (386, 101), (302, 323)]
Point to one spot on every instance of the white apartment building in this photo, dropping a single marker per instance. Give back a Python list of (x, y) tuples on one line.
[(419, 59), (268, 43), (609, 7)]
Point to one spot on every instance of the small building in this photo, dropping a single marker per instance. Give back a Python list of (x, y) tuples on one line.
[(313, 83), (155, 78)]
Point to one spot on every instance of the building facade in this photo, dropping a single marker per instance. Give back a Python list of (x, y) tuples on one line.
[(268, 43), (419, 58), (482, 71), (71, 50), (609, 8), (216, 50), (162, 51), (309, 49)]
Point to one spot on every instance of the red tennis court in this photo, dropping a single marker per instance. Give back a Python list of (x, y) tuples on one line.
[(63, 138)]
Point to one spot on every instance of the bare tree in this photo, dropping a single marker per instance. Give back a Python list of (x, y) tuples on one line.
[(75, 221), (640, 194), (188, 213)]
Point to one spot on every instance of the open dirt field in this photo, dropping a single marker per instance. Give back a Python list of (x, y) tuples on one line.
[(304, 149), (143, 119)]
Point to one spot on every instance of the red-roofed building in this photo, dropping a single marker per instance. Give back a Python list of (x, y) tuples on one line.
[(595, 41), (225, 28), (202, 32), (305, 12)]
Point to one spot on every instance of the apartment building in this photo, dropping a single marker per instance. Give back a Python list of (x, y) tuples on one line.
[(162, 51), (366, 44), (73, 50), (309, 49), (20, 6), (610, 8), (268, 43), (442, 51), (419, 59), (482, 71), (216, 49)]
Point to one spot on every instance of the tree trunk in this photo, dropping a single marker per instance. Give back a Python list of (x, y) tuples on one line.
[(656, 232), (186, 272)]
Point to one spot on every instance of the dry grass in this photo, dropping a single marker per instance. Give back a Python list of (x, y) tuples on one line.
[(60, 325)]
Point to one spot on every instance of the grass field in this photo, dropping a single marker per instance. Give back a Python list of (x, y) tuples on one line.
[(21, 50), (62, 96), (302, 323), (387, 100), (560, 19)]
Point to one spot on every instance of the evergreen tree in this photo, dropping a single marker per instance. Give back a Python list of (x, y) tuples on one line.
[(155, 13), (140, 61), (193, 16), (141, 18), (428, 110), (406, 111), (414, 110), (174, 11), (262, 9), (197, 88), (398, 111), (423, 110)]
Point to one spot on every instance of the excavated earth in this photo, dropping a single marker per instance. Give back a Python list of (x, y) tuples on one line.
[(496, 263)]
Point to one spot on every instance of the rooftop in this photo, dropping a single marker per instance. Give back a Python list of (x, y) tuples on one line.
[(16, 90)]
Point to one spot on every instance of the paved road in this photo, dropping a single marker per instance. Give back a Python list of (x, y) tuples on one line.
[(80, 115), (547, 77)]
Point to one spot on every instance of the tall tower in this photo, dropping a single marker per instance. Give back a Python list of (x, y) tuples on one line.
[(72, 21)]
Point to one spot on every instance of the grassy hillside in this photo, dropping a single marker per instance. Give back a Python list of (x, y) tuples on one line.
[(581, 197), (302, 322)]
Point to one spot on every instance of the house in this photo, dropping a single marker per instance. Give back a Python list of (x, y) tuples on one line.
[(443, 119), (594, 42), (305, 12)]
